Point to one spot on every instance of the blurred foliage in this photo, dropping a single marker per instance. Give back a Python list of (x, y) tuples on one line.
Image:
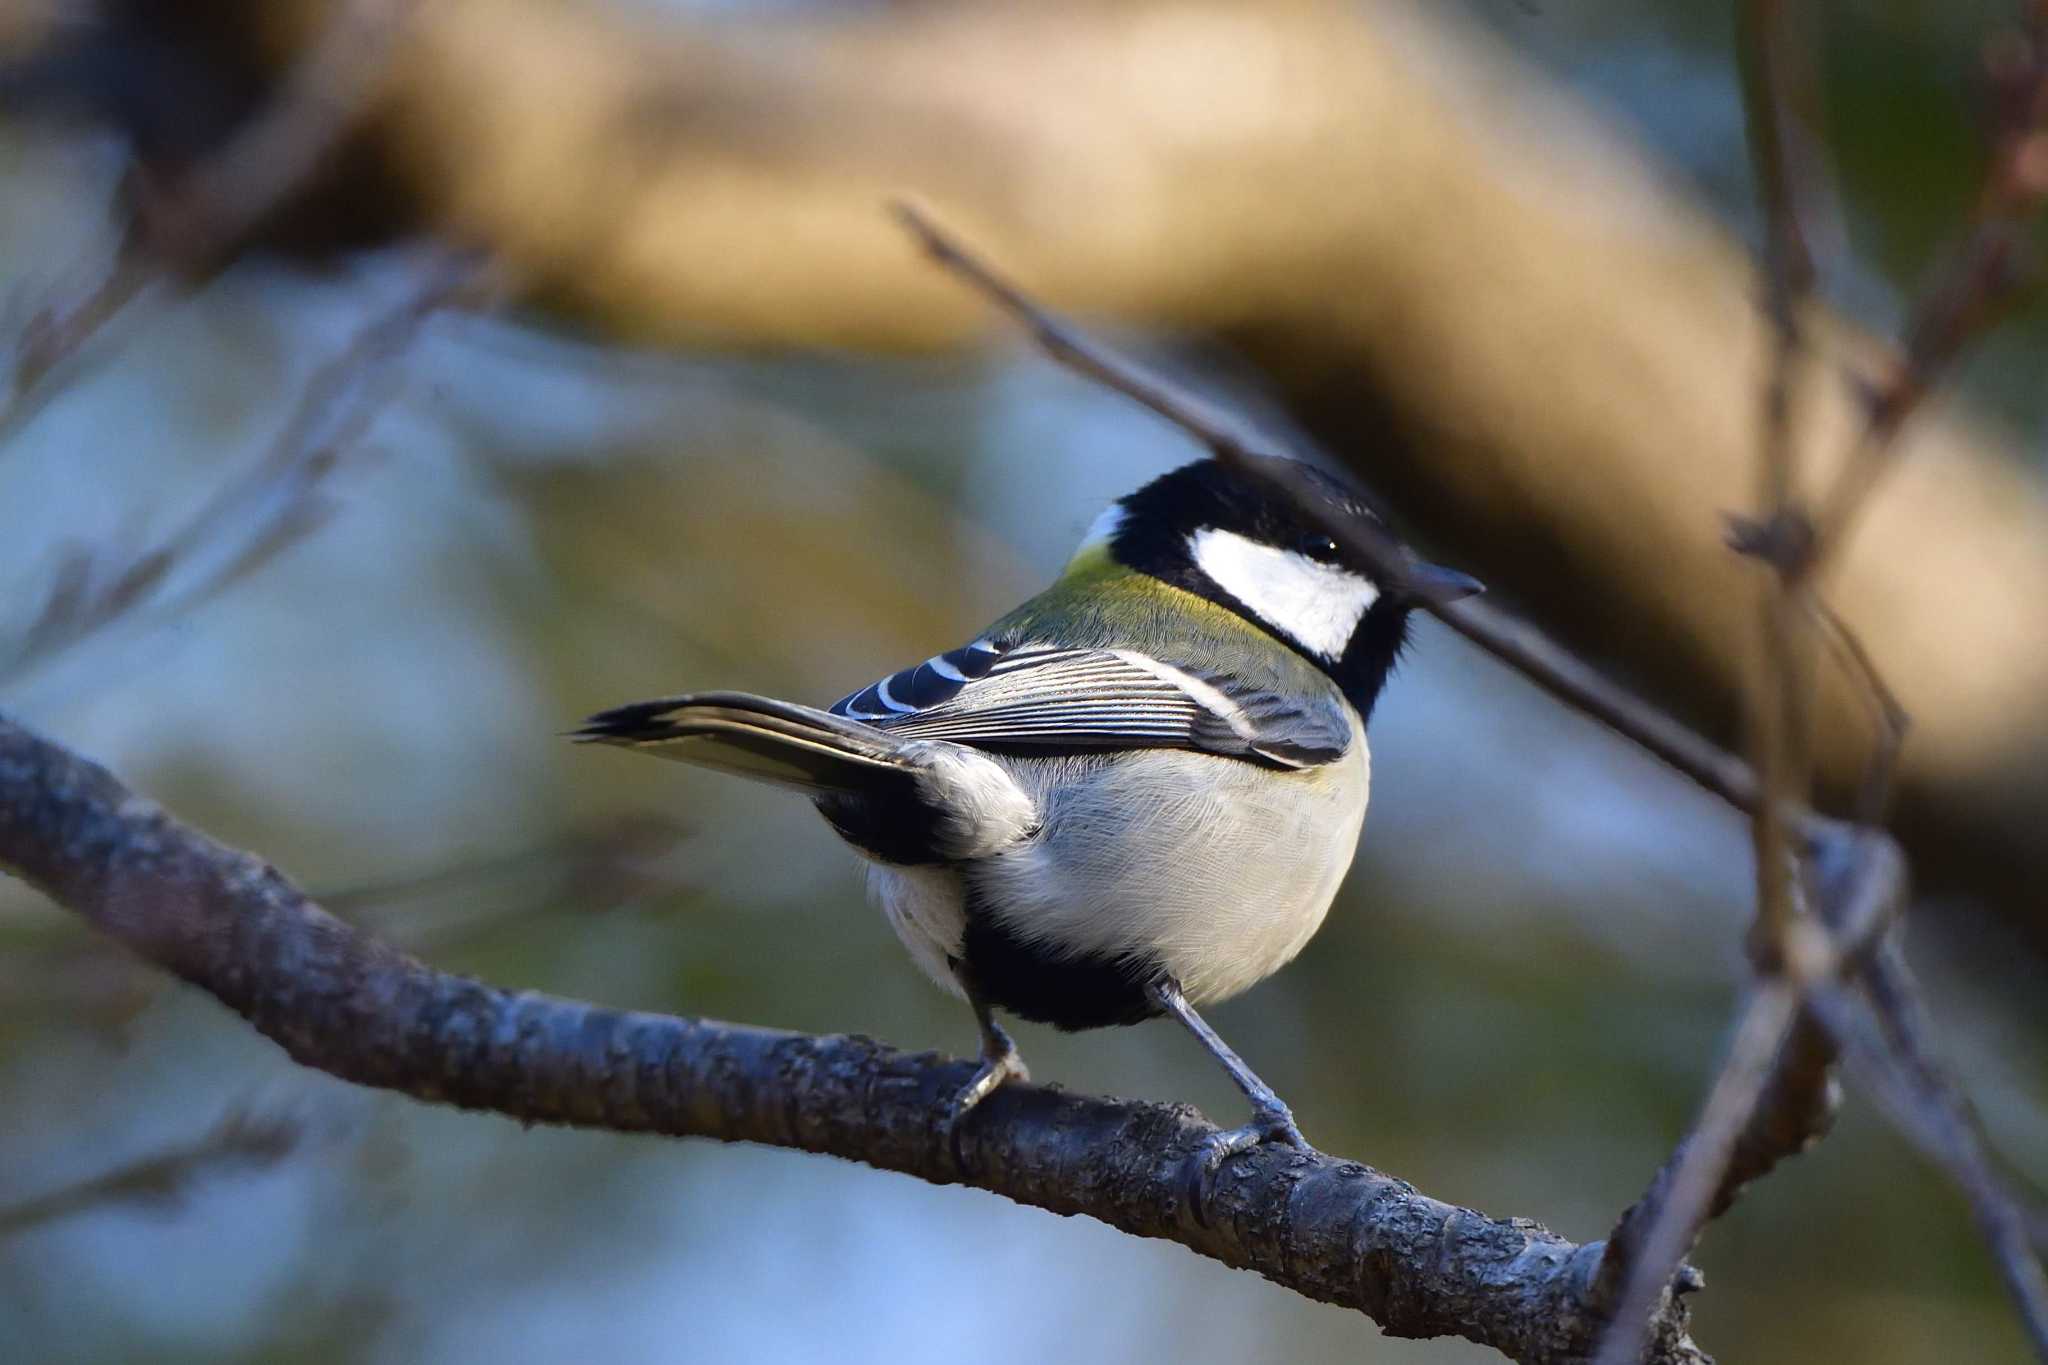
[(1514, 1004)]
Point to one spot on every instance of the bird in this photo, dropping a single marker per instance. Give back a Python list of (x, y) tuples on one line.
[(1133, 796)]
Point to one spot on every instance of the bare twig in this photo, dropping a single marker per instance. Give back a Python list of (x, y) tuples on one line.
[(1516, 643), (1793, 617), (189, 225), (1227, 436), (1779, 721), (1678, 1203), (272, 507), (1979, 280), (59, 329), (602, 869), (1753, 1092), (340, 1001), (1897, 1003), (242, 1141), (1892, 1064), (1774, 1095), (1791, 1102), (1889, 717), (1776, 75), (1929, 1109), (211, 208)]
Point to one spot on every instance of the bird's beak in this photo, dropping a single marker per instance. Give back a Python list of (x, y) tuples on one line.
[(1436, 585)]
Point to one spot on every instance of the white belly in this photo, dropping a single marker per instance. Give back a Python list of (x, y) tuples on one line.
[(926, 906), (1219, 870)]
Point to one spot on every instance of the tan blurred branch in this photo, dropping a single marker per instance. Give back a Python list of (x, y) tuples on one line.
[(1467, 291), (341, 1001)]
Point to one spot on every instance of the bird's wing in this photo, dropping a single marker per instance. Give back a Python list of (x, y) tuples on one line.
[(1040, 698)]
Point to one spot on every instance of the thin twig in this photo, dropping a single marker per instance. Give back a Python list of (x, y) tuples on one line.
[(1688, 1186), (1228, 437), (1793, 618), (60, 328), (1889, 716), (1933, 1114), (241, 1141), (1896, 1065), (603, 868), (275, 505), (210, 209), (1901, 1010), (1779, 1086), (188, 226), (1773, 1096), (1780, 721), (1975, 285), (1518, 643)]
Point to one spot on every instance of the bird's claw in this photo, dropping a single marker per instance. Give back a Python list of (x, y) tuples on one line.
[(995, 1071), (1272, 1122)]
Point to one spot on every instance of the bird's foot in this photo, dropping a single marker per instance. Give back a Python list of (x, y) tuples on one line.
[(1272, 1121), (998, 1066)]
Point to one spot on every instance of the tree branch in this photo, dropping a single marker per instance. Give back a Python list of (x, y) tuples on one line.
[(340, 1001)]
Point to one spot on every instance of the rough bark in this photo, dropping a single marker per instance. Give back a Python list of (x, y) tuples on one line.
[(340, 1001)]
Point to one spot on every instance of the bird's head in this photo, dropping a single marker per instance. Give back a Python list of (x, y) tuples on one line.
[(1257, 540)]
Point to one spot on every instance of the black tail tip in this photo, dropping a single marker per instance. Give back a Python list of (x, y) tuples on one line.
[(636, 723)]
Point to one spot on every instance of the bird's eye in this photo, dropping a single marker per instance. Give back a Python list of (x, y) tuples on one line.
[(1319, 547)]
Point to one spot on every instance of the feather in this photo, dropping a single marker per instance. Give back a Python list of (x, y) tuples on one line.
[(1041, 698), (758, 737)]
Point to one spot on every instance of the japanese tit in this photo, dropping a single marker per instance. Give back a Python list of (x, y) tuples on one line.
[(1133, 795)]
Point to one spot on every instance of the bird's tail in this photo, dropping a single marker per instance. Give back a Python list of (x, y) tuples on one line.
[(757, 737)]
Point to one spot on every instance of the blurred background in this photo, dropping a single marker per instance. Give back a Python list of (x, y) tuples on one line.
[(313, 546)]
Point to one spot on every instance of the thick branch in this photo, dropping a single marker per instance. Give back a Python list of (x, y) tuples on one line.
[(342, 1002)]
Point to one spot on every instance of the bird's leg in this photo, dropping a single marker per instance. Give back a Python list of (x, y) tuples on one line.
[(1272, 1120), (1000, 1062)]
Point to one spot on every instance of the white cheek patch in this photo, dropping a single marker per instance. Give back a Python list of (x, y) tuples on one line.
[(1320, 605)]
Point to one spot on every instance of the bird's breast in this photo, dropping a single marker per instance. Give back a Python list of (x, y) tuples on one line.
[(1216, 869)]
